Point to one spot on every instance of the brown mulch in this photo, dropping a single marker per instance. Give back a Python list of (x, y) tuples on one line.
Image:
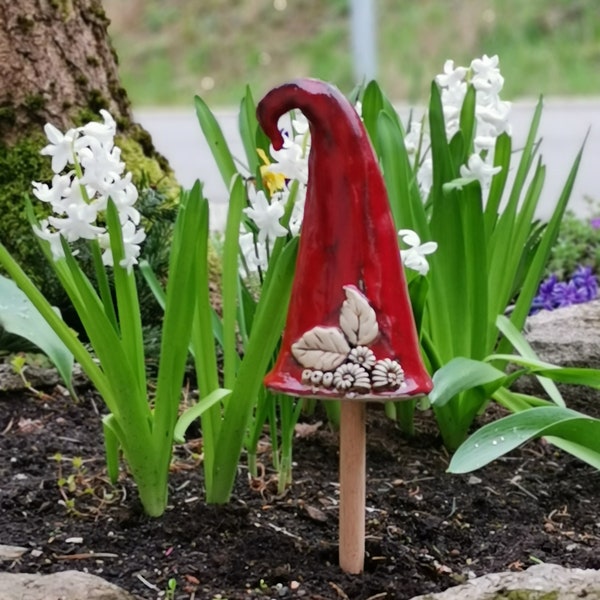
[(426, 530)]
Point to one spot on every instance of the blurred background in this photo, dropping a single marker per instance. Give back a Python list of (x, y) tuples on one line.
[(169, 51)]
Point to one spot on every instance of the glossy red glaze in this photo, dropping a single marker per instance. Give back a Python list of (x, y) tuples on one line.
[(348, 238)]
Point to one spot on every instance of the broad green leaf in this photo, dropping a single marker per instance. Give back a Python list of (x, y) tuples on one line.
[(467, 123), (48, 313), (443, 169), (459, 375), (205, 322), (588, 454), (502, 154), (19, 316), (497, 438), (475, 267)]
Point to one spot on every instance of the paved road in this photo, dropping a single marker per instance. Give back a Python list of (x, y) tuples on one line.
[(177, 135)]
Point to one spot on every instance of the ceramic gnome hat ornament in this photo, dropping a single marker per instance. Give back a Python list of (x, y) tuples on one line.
[(350, 332)]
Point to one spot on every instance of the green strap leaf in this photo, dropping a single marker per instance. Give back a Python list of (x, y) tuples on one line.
[(461, 374), (266, 331), (248, 125), (128, 306), (191, 228), (216, 140), (401, 184), (576, 431), (110, 427), (572, 375), (520, 344), (372, 105), (196, 411), (230, 279)]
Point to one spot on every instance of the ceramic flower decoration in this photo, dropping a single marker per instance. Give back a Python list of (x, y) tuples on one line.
[(350, 332)]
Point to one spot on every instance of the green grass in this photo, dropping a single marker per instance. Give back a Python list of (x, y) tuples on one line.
[(214, 47)]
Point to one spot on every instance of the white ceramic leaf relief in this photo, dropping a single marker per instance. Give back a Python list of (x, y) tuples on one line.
[(322, 348), (357, 318)]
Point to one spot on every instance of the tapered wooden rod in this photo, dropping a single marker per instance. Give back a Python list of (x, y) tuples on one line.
[(352, 486)]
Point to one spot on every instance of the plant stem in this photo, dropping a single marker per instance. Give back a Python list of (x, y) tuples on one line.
[(352, 486)]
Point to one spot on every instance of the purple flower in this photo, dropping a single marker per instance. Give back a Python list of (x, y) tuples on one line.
[(566, 294), (595, 223), (552, 293), (545, 298), (586, 282)]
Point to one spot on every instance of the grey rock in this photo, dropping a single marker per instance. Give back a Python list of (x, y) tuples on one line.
[(566, 337), (68, 585), (540, 582), (38, 377)]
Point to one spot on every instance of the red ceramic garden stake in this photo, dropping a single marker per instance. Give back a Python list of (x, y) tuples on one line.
[(350, 332)]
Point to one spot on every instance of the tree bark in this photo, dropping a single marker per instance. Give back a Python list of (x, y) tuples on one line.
[(56, 65)]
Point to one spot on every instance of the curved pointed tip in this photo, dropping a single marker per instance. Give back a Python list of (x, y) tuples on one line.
[(318, 100)]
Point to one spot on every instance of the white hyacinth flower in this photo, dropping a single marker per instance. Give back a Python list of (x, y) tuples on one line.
[(79, 196), (451, 76), (291, 161), (486, 74), (132, 238), (266, 214), (477, 169), (254, 254), (60, 148), (414, 257)]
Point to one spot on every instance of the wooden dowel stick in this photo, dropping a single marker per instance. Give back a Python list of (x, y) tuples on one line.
[(352, 486)]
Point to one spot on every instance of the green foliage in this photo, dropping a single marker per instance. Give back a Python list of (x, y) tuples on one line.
[(112, 322), (233, 404), (485, 255), (532, 417), (578, 243)]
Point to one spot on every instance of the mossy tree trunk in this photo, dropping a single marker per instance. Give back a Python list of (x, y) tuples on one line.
[(57, 66)]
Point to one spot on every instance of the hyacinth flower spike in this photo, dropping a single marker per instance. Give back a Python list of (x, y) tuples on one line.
[(350, 333)]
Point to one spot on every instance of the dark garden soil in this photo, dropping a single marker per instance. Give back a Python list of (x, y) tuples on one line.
[(426, 530)]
